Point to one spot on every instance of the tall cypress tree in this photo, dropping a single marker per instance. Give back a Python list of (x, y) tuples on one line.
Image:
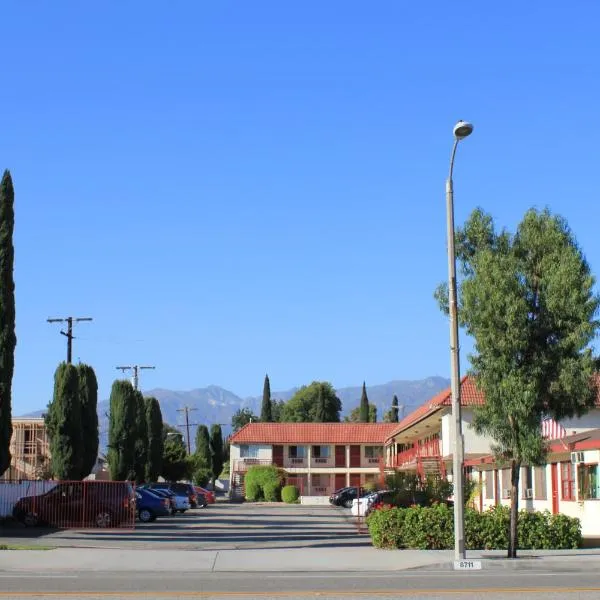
[(63, 422), (8, 339), (394, 415), (321, 413), (154, 425), (122, 431), (216, 449), (364, 405), (202, 455), (88, 400), (141, 442), (266, 413)]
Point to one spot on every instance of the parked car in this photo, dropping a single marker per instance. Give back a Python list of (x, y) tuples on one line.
[(208, 495), (150, 505), (182, 489), (78, 503), (345, 496), (361, 507)]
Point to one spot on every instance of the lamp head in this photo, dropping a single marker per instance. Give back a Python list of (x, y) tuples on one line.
[(462, 129)]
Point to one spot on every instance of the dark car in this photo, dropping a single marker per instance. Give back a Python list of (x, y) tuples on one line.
[(150, 505), (182, 489), (345, 496), (166, 494), (79, 504)]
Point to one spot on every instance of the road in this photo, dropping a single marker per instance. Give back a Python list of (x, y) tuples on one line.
[(490, 585)]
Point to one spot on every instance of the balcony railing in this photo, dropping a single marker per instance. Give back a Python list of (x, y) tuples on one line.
[(243, 464), (428, 449)]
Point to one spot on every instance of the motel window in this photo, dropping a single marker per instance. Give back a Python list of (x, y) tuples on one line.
[(321, 452), (489, 485), (527, 479), (589, 482), (247, 451), (539, 477), (567, 473), (296, 451), (373, 451), (506, 486)]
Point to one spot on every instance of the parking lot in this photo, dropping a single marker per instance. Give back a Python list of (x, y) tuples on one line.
[(217, 527)]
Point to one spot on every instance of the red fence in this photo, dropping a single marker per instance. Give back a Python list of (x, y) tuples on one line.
[(69, 504)]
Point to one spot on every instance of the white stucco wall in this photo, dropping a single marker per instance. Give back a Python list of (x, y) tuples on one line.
[(473, 443)]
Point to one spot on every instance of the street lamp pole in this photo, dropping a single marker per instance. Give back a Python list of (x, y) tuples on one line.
[(461, 130)]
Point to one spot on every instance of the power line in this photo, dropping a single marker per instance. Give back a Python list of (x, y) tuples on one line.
[(135, 379), (69, 332)]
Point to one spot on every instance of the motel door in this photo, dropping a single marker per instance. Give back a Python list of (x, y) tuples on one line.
[(340, 480), (278, 456), (554, 476)]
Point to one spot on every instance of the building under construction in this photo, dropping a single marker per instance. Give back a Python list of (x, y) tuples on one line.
[(30, 450)]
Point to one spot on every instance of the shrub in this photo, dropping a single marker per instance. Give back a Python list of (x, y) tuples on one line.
[(290, 494), (201, 476), (263, 482), (432, 528)]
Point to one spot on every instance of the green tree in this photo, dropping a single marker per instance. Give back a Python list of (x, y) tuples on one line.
[(276, 410), (392, 415), (175, 464), (8, 339), (141, 442), (122, 431), (355, 415), (364, 405), (202, 454), (302, 407), (321, 412), (216, 450), (63, 422), (266, 415), (154, 425), (88, 400), (527, 300), (242, 417)]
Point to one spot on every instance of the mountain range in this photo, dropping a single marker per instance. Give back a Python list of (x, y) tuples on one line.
[(214, 404)]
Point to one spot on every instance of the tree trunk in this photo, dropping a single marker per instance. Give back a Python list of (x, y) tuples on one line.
[(515, 469)]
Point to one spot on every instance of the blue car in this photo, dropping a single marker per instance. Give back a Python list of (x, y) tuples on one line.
[(150, 505)]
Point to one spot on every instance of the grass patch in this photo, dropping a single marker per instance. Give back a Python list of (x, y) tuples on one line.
[(21, 547)]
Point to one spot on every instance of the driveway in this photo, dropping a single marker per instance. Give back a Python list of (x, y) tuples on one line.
[(220, 526)]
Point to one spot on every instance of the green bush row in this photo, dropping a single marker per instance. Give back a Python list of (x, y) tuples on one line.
[(432, 528), (263, 483)]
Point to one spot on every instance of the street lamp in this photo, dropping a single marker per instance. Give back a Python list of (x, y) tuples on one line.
[(461, 130)]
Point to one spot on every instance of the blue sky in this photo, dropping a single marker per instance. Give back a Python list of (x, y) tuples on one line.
[(237, 188)]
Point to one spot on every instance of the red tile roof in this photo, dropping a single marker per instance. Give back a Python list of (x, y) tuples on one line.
[(469, 396), (313, 433)]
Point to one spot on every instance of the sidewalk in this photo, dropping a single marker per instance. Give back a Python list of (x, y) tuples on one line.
[(65, 560)]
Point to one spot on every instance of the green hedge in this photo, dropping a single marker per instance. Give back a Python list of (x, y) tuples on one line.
[(432, 528), (290, 494), (263, 483)]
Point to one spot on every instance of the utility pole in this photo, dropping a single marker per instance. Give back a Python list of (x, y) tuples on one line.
[(186, 409), (69, 333), (135, 379)]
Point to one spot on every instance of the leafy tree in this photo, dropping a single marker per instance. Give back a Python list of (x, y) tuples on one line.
[(528, 302), (176, 465), (141, 442), (63, 422), (392, 415), (302, 407), (266, 415), (202, 455), (154, 425), (242, 417), (364, 405), (216, 449), (276, 410), (321, 413), (8, 339), (88, 401), (355, 416), (123, 431)]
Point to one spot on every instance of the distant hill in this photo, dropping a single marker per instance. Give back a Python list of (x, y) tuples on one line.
[(215, 404)]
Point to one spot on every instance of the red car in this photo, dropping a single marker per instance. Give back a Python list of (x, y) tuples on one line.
[(210, 496)]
